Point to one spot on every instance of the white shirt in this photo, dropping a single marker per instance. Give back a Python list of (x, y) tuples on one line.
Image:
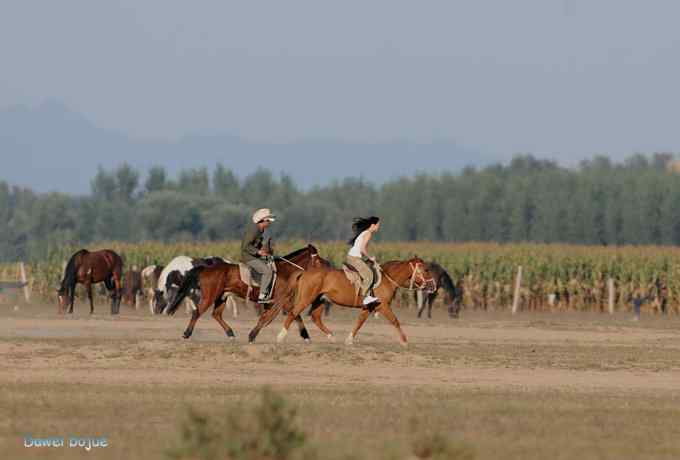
[(358, 244)]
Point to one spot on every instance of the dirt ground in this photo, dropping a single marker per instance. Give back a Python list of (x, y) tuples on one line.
[(604, 386)]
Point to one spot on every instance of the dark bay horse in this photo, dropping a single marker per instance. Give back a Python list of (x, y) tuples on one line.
[(90, 268), (220, 279), (453, 293), (311, 287), (132, 288)]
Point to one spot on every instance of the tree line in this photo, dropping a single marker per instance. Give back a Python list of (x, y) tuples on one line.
[(636, 201)]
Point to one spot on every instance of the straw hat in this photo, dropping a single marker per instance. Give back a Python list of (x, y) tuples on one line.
[(263, 214)]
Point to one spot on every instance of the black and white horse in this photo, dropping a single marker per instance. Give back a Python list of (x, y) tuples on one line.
[(171, 278)]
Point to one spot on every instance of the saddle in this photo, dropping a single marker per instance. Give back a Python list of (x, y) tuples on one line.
[(251, 278), (355, 278)]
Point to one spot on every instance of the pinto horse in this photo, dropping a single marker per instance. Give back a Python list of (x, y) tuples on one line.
[(90, 268), (216, 282), (313, 286)]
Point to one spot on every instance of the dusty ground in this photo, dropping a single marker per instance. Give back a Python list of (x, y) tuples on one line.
[(531, 386)]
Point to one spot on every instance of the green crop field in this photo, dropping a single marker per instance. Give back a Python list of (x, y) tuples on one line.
[(576, 276)]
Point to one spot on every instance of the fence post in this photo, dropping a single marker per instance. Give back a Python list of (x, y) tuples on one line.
[(27, 291), (518, 284), (610, 288)]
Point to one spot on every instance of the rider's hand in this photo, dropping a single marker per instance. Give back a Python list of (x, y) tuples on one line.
[(263, 253)]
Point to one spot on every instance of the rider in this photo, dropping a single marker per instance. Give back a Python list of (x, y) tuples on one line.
[(255, 255), (358, 257)]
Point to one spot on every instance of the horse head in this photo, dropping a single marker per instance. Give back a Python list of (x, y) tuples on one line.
[(421, 277)]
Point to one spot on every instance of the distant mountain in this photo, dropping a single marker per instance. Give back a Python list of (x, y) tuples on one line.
[(50, 147)]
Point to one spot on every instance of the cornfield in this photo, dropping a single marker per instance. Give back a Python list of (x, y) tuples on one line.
[(555, 277)]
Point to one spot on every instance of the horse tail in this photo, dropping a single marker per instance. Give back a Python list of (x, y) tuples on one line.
[(68, 282), (191, 282)]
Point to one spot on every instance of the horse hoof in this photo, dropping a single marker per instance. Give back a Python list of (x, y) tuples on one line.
[(349, 340), (331, 338), (403, 344), (282, 335), (308, 340), (186, 335)]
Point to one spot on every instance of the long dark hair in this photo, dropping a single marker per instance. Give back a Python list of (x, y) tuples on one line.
[(361, 224)]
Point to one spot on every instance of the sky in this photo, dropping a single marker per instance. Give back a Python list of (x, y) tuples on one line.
[(564, 79)]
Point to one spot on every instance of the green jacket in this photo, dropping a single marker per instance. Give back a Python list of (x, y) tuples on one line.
[(251, 244)]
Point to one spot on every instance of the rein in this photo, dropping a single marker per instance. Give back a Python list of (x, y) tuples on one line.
[(292, 263)]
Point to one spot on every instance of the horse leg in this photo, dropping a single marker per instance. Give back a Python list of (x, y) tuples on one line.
[(217, 314), (265, 319), (196, 313), (88, 288), (392, 318), (117, 290), (316, 312), (430, 301), (294, 315), (421, 302), (363, 316), (72, 300), (303, 330)]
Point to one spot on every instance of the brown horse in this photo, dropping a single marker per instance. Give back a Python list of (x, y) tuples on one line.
[(132, 287), (313, 286), (90, 268), (220, 279)]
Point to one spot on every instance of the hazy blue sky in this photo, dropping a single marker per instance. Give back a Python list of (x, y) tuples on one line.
[(553, 77)]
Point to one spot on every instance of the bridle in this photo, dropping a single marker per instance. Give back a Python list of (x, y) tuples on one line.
[(417, 279)]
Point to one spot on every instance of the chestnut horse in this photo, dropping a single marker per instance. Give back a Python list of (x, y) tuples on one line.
[(216, 281), (313, 286), (90, 268)]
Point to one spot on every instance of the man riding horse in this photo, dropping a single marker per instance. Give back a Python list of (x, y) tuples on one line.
[(256, 255)]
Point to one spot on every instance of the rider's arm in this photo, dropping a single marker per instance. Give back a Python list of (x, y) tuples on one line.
[(364, 245), (248, 246)]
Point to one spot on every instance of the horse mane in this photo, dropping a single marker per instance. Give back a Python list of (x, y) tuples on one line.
[(68, 283), (297, 252), (444, 280)]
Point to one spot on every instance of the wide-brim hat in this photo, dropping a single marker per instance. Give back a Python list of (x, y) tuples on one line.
[(263, 214)]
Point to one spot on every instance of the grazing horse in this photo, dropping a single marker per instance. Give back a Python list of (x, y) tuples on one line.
[(90, 268), (453, 294), (216, 282), (132, 287), (313, 286), (151, 274)]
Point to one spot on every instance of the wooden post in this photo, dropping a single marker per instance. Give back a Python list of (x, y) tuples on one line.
[(27, 291), (518, 284), (610, 288)]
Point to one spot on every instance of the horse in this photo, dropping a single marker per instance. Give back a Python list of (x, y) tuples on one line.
[(313, 286), (132, 287), (89, 268), (172, 277), (453, 294), (151, 274), (216, 282)]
